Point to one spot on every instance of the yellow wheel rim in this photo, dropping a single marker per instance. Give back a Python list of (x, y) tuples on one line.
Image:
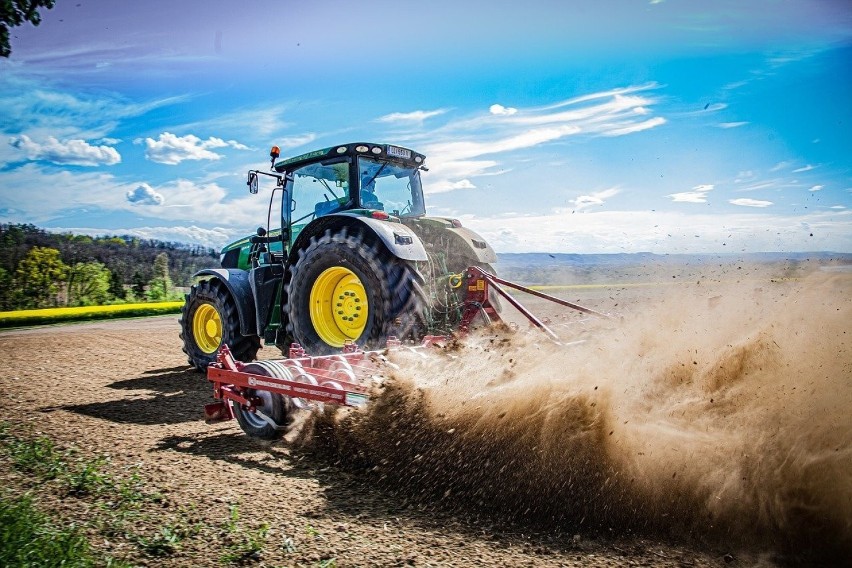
[(207, 328), (338, 306)]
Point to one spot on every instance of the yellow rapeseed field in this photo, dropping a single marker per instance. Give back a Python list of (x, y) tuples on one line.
[(56, 315)]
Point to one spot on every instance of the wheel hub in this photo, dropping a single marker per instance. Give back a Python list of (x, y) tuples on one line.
[(207, 328), (338, 305)]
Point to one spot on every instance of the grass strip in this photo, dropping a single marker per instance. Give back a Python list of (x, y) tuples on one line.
[(29, 538), (59, 315)]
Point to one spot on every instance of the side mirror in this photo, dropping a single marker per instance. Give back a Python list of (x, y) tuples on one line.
[(252, 182), (261, 232)]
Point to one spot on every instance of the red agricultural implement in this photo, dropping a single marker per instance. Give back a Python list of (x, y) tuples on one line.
[(265, 396)]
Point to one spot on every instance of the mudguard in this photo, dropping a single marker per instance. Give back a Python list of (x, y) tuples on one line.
[(401, 241), (239, 285), (476, 244)]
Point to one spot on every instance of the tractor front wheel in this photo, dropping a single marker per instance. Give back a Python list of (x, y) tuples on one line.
[(208, 320), (343, 289)]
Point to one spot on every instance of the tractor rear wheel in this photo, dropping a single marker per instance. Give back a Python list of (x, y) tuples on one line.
[(343, 289), (273, 414), (208, 320)]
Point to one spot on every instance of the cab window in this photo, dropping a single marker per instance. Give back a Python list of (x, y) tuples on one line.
[(319, 189)]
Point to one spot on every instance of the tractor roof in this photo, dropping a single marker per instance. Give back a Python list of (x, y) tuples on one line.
[(369, 149)]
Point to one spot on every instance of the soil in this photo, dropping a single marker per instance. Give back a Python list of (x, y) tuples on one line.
[(123, 389)]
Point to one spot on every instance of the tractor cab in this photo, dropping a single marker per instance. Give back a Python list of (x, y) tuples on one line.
[(357, 178), (378, 181)]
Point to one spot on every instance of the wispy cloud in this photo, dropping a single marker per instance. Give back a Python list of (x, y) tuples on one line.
[(67, 152), (476, 145), (816, 188), (636, 127), (806, 168), (746, 202), (416, 116), (697, 195), (265, 121), (172, 150), (596, 198), (296, 141), (731, 124), (46, 111)]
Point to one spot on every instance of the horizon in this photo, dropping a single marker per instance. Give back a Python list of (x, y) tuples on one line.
[(621, 127)]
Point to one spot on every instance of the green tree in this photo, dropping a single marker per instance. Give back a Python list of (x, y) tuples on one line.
[(39, 277), (88, 284), (5, 290), (160, 286), (116, 286), (16, 12), (138, 285)]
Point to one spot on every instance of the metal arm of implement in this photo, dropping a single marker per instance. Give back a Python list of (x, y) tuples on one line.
[(477, 300)]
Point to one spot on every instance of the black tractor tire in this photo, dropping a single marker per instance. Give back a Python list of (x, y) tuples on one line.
[(275, 412), (211, 301), (393, 289)]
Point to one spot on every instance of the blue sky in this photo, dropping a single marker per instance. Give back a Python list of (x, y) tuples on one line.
[(583, 127)]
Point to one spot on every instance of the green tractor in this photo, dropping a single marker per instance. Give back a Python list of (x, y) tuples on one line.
[(348, 254)]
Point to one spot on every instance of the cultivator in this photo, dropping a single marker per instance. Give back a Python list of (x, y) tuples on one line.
[(264, 396)]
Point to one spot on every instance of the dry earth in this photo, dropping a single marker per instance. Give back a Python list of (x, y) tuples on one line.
[(123, 390)]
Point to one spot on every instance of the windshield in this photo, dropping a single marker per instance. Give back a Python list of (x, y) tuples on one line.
[(390, 187)]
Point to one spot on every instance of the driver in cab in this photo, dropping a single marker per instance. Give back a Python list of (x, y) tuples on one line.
[(369, 199)]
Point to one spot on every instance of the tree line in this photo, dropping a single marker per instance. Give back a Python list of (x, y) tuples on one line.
[(40, 269)]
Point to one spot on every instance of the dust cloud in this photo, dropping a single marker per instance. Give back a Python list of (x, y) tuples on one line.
[(719, 415)]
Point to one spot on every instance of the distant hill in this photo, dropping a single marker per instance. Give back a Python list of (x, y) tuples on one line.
[(543, 268)]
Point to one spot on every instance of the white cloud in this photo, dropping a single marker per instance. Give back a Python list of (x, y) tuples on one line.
[(816, 188), (46, 112), (144, 194), (806, 168), (172, 150), (746, 202), (463, 184), (837, 207), (468, 148), (697, 195), (501, 110), (71, 152), (214, 238), (596, 198), (636, 127), (731, 124), (296, 141), (182, 201), (414, 116), (664, 232), (265, 121)]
